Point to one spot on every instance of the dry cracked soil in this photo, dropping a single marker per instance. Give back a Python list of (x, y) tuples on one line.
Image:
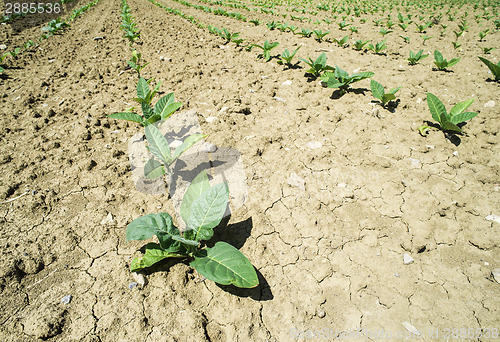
[(338, 188)]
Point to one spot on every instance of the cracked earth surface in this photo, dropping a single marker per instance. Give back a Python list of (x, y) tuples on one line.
[(329, 253)]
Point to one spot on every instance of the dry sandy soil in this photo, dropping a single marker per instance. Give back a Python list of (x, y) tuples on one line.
[(328, 249)]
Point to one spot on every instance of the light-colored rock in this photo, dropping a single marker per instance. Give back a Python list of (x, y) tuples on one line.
[(314, 145), (296, 180), (279, 99), (321, 313), (209, 147), (407, 259), (414, 162), (419, 100), (3, 46), (411, 328), (140, 279), (107, 220), (455, 153), (496, 274), (489, 104), (287, 83), (132, 285), (211, 119), (493, 217), (66, 299)]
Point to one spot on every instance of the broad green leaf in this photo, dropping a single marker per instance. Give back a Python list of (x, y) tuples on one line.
[(441, 65), (449, 126), (166, 106), (436, 107), (460, 107), (453, 61), (160, 225), (377, 89), (188, 142), (153, 169), (395, 90), (438, 56), (340, 74), (361, 76), (321, 60), (495, 68), (127, 116), (142, 88), (199, 185), (225, 265), (388, 97), (146, 110), (154, 253), (462, 117), (207, 211), (158, 145)]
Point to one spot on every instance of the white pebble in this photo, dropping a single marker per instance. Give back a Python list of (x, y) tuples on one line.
[(314, 145), (279, 99), (411, 328), (489, 104), (209, 147), (3, 46), (493, 217), (407, 259), (132, 285), (287, 83), (341, 185), (296, 180), (496, 274), (211, 119), (107, 220), (321, 313), (414, 161), (140, 279), (66, 299), (419, 100), (455, 153)]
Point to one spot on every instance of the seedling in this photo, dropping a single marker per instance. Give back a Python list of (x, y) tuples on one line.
[(403, 26), (134, 62), (163, 108), (202, 209), (359, 44), (160, 148), (266, 49), (495, 68), (378, 47), (487, 50), (406, 39), (421, 28), (416, 57), (55, 25), (442, 63), (229, 37), (343, 25), (384, 31), (483, 34), (353, 29), (271, 25), (456, 45), (341, 42), (305, 33), (426, 38), (447, 121), (256, 22), (379, 92), (318, 66), (286, 57), (341, 79), (320, 34), (293, 28)]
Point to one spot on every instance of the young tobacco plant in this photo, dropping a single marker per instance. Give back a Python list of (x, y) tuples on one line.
[(378, 47), (134, 62), (320, 34), (266, 49), (341, 79), (495, 68), (286, 57), (447, 121), (163, 108), (359, 44), (341, 42), (202, 209), (318, 66), (379, 92), (416, 57), (160, 148), (442, 63)]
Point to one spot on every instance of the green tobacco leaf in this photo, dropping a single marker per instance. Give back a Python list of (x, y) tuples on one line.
[(460, 107), (453, 61), (495, 68), (462, 117), (395, 90), (207, 211), (160, 225), (158, 145), (199, 185), (361, 76), (321, 60), (377, 89), (153, 169), (436, 107), (142, 88), (449, 126), (127, 116), (225, 265), (188, 142), (388, 97), (154, 253), (146, 110), (438, 56), (166, 106)]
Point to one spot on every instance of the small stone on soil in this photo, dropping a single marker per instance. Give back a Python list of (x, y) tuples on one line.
[(296, 180), (493, 217), (108, 219), (321, 313), (209, 147), (411, 328), (407, 259), (489, 104), (496, 274), (66, 299), (132, 285), (287, 83), (314, 145), (211, 119)]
